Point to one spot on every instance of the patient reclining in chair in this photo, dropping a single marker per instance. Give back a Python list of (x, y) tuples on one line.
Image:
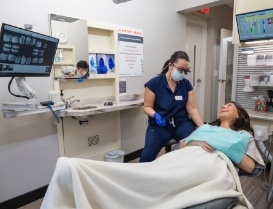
[(192, 177)]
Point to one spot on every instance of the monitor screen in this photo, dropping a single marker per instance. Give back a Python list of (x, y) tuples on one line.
[(254, 26), (24, 53)]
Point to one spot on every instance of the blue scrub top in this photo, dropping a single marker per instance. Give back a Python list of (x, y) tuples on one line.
[(167, 103), (85, 76)]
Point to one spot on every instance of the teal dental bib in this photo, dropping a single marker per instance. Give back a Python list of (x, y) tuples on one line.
[(231, 143)]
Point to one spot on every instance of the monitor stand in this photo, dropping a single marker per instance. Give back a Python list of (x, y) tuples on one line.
[(28, 92), (31, 104)]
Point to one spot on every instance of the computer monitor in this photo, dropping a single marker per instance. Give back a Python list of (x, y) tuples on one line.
[(255, 26), (25, 53)]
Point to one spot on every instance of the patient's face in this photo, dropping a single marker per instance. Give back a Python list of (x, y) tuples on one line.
[(228, 111)]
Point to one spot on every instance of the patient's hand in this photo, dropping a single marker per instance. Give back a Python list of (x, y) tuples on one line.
[(202, 144)]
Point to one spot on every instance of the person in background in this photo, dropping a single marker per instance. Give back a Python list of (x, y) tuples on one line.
[(169, 104), (82, 69)]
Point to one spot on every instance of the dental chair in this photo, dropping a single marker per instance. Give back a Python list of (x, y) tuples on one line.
[(172, 141), (213, 204), (169, 144), (261, 135)]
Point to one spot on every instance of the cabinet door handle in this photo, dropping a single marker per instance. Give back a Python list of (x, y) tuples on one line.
[(223, 80), (198, 80)]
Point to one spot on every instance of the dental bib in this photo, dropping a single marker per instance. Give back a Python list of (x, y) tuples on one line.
[(231, 143)]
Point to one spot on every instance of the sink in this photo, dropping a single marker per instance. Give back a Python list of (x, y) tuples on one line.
[(81, 110), (84, 107)]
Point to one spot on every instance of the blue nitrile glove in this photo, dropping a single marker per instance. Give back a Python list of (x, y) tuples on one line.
[(159, 120), (103, 69), (111, 63)]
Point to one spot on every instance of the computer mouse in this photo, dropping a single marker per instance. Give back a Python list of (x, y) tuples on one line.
[(108, 103)]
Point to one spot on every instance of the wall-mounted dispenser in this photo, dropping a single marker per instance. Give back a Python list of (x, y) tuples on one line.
[(247, 87)]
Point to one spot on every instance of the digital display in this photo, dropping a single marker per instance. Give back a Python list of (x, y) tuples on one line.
[(254, 26), (24, 53)]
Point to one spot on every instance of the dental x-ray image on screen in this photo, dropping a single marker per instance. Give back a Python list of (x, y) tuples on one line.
[(25, 53)]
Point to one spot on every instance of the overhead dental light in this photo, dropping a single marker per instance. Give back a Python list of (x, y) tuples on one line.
[(120, 1)]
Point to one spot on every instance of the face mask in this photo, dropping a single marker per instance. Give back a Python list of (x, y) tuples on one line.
[(78, 74), (177, 75)]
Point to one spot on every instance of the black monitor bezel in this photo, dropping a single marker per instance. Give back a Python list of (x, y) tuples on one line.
[(255, 39), (28, 74)]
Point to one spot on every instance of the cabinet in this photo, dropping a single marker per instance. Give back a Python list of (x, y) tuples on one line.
[(68, 58), (102, 132), (264, 119), (261, 80), (102, 38), (250, 80)]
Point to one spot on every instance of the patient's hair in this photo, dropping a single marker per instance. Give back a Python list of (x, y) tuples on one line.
[(240, 123)]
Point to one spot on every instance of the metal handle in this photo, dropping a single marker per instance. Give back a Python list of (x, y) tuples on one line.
[(198, 80), (68, 100), (221, 80)]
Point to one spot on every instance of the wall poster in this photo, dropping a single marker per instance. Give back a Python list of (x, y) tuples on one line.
[(130, 43)]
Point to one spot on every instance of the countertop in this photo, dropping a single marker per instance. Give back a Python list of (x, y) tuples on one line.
[(260, 115), (62, 112), (101, 108), (41, 109)]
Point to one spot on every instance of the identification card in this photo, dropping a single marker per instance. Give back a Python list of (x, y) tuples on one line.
[(178, 98)]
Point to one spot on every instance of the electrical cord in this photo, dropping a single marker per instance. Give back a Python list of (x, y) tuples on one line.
[(265, 184), (49, 106), (269, 191), (15, 94), (264, 179)]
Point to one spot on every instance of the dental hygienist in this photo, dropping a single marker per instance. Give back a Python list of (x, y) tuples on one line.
[(169, 104), (82, 69)]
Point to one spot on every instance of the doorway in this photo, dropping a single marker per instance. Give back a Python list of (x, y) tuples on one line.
[(195, 46), (225, 68)]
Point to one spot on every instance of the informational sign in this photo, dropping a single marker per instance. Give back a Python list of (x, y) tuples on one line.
[(130, 42), (122, 86)]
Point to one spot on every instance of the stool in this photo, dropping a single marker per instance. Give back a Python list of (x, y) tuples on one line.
[(168, 145)]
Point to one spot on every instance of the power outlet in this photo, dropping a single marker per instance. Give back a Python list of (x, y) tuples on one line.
[(54, 96)]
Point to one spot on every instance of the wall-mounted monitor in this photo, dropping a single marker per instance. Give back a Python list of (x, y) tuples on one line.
[(255, 26), (25, 53)]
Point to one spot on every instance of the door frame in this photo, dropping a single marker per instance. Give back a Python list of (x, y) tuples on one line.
[(226, 36), (235, 71), (203, 24)]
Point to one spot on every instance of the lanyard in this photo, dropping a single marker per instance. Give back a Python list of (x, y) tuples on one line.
[(171, 121)]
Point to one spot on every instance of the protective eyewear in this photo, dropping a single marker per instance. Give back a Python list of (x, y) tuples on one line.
[(185, 70)]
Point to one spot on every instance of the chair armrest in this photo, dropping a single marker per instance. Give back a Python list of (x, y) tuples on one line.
[(255, 172), (176, 146)]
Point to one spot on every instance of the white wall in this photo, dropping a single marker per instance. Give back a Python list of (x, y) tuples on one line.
[(30, 157), (27, 165), (187, 6)]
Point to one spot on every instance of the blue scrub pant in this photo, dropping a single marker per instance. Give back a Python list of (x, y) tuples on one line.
[(157, 136)]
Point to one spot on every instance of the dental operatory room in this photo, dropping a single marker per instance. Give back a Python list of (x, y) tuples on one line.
[(136, 104)]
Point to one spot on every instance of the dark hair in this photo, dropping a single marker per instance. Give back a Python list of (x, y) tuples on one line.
[(240, 123), (176, 55), (83, 64)]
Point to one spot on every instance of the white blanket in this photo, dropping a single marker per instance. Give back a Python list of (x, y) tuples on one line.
[(175, 180)]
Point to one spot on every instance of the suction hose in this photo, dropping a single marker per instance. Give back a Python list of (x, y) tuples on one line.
[(264, 149), (261, 135)]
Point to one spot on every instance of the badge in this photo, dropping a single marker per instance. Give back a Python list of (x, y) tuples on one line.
[(178, 98)]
